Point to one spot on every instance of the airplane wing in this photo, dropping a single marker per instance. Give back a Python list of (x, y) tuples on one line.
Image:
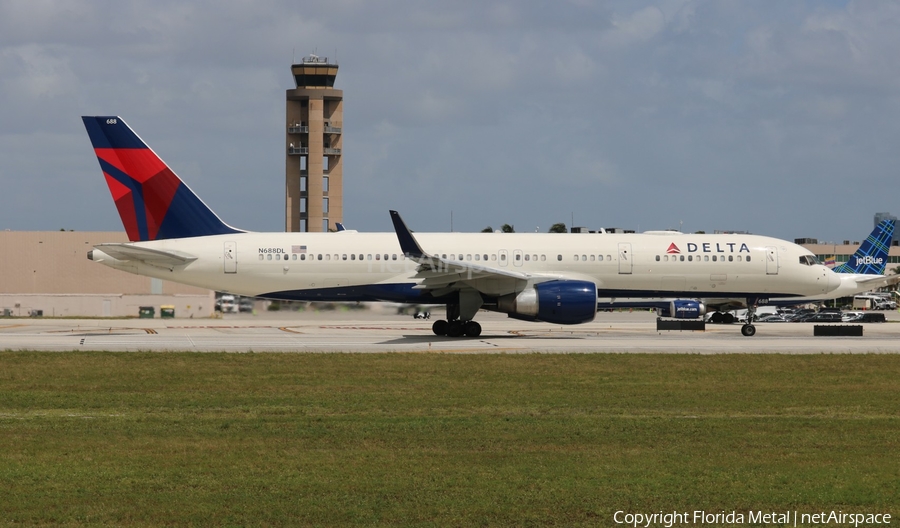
[(153, 257), (435, 273), (877, 281)]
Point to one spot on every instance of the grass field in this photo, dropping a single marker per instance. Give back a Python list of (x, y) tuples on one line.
[(443, 440)]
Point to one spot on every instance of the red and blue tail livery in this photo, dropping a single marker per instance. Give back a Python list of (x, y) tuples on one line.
[(153, 202)]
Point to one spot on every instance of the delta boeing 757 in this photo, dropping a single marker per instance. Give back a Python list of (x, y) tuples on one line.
[(555, 278)]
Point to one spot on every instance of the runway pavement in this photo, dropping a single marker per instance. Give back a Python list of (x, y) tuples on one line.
[(365, 331)]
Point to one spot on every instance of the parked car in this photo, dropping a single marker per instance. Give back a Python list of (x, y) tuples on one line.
[(863, 317), (245, 305), (772, 318), (821, 317)]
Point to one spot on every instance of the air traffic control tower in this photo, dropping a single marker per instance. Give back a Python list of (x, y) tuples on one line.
[(313, 168)]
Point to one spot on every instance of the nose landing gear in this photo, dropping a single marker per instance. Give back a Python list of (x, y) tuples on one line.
[(748, 330)]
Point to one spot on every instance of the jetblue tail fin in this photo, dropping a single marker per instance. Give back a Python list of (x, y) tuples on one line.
[(153, 202), (872, 256)]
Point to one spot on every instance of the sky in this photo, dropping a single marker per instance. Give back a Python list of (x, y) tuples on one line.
[(774, 117)]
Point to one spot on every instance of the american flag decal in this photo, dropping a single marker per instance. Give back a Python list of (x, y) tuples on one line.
[(298, 249)]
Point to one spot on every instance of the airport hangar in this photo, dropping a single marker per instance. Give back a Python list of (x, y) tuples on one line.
[(48, 272)]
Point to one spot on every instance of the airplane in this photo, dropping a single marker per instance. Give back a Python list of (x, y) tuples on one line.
[(863, 271), (550, 277)]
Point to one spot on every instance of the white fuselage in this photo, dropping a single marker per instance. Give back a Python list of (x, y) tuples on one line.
[(371, 266)]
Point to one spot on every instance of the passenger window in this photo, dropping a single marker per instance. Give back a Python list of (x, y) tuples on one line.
[(393, 257), (748, 258), (377, 257), (502, 257), (493, 258), (269, 256), (485, 257), (285, 256), (469, 257), (706, 258), (302, 256), (327, 257), (600, 257), (385, 256), (261, 256), (352, 256), (576, 258), (518, 257), (558, 257), (527, 258), (681, 258), (592, 258), (477, 256), (739, 258), (543, 258), (714, 258), (730, 258), (360, 256), (690, 258)]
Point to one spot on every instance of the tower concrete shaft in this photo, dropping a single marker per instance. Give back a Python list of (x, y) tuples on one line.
[(313, 140)]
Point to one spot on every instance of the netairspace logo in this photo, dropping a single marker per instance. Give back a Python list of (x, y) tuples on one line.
[(723, 518)]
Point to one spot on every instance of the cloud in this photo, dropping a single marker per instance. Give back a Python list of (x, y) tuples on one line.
[(754, 116)]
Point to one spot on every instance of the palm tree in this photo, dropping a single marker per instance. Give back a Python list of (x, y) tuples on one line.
[(558, 228), (506, 228)]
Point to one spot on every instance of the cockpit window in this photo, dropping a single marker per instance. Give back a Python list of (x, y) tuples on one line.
[(808, 260)]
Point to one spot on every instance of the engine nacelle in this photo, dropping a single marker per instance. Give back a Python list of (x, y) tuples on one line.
[(683, 309), (560, 302)]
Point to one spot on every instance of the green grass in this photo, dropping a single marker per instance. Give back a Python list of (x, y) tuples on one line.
[(438, 440)]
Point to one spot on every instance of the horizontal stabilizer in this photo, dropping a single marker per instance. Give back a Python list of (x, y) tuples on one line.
[(153, 257)]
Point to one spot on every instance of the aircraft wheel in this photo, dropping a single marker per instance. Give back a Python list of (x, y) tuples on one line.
[(473, 329), (728, 318), (748, 330), (454, 329), (439, 327), (716, 318)]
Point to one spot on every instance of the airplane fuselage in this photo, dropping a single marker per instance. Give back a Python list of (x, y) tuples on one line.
[(352, 266)]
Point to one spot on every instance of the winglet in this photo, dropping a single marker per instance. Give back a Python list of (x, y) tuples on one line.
[(408, 244)]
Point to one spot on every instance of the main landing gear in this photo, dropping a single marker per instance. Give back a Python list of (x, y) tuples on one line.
[(456, 328), (459, 324)]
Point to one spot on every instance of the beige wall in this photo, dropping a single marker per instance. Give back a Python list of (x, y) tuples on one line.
[(49, 271)]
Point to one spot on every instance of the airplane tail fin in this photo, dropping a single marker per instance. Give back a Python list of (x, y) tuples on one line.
[(872, 256), (153, 203)]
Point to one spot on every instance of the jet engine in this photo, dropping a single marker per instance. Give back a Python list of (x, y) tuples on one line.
[(560, 302), (683, 309)]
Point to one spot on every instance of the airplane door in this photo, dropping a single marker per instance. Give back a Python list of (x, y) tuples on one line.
[(771, 260), (625, 263), (230, 257), (502, 257), (517, 257)]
